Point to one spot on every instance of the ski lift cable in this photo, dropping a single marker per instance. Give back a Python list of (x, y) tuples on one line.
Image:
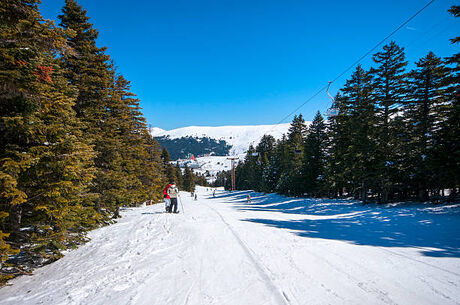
[(326, 87)]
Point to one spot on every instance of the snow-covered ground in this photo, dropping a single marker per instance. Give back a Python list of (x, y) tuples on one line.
[(274, 250), (239, 137)]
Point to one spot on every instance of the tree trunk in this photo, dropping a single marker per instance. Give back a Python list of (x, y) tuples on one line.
[(364, 192)]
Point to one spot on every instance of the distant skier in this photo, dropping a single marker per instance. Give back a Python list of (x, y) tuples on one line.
[(196, 196), (166, 198), (214, 193), (173, 193), (248, 199)]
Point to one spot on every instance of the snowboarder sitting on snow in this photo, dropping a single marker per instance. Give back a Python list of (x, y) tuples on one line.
[(173, 193), (166, 198)]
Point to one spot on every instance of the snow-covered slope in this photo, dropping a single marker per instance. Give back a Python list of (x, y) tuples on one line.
[(274, 250), (239, 137), (210, 166)]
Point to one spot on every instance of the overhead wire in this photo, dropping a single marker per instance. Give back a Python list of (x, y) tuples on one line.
[(356, 62)]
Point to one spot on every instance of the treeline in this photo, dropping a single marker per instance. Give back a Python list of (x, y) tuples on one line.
[(186, 180), (180, 148), (74, 143), (392, 135), (224, 178)]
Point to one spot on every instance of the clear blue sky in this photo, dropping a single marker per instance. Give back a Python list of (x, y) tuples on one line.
[(235, 62)]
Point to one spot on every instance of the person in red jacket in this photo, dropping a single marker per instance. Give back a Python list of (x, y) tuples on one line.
[(167, 198)]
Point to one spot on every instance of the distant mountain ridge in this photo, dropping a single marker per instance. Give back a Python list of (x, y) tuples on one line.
[(181, 148), (238, 137)]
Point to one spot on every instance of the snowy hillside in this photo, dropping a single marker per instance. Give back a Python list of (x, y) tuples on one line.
[(239, 137), (274, 251), (210, 165)]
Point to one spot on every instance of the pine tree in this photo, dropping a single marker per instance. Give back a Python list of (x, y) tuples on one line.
[(281, 171), (246, 173), (152, 178), (90, 70), (272, 171), (361, 151), (446, 154), (189, 183), (426, 114), (389, 94), (265, 150), (291, 177), (337, 177), (169, 169), (179, 176), (137, 149), (165, 155), (314, 157)]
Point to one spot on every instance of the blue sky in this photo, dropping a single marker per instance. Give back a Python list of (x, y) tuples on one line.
[(222, 62)]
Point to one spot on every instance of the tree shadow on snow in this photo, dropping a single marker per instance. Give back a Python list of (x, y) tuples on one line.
[(433, 229), (152, 213)]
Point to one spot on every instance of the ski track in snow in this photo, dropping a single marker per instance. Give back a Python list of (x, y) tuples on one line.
[(276, 250), (281, 297)]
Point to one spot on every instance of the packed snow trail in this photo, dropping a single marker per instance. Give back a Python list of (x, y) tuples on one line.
[(275, 250)]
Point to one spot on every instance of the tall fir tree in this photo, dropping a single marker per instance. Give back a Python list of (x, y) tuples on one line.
[(188, 182), (291, 175), (426, 114), (271, 173), (338, 138), (169, 169), (264, 151), (360, 154), (314, 157), (137, 148), (446, 154), (90, 70), (179, 176), (390, 92)]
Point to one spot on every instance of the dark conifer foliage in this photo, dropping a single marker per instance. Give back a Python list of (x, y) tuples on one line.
[(188, 180), (74, 144), (314, 159), (426, 113), (170, 171), (447, 150), (389, 91), (360, 154)]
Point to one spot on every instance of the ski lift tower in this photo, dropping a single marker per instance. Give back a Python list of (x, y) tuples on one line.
[(233, 159)]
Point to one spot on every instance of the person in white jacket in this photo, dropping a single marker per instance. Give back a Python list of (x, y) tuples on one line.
[(173, 193)]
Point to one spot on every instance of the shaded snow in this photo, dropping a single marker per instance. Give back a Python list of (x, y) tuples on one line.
[(275, 250)]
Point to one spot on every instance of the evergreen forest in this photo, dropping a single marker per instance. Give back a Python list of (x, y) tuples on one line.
[(74, 145), (392, 134)]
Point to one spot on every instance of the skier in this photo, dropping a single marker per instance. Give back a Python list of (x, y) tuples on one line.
[(196, 197), (248, 199), (166, 198), (173, 193), (214, 193)]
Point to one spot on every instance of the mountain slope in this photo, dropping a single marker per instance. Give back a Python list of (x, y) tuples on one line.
[(239, 137)]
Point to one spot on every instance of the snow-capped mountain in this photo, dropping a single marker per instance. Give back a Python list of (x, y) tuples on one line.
[(239, 137)]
